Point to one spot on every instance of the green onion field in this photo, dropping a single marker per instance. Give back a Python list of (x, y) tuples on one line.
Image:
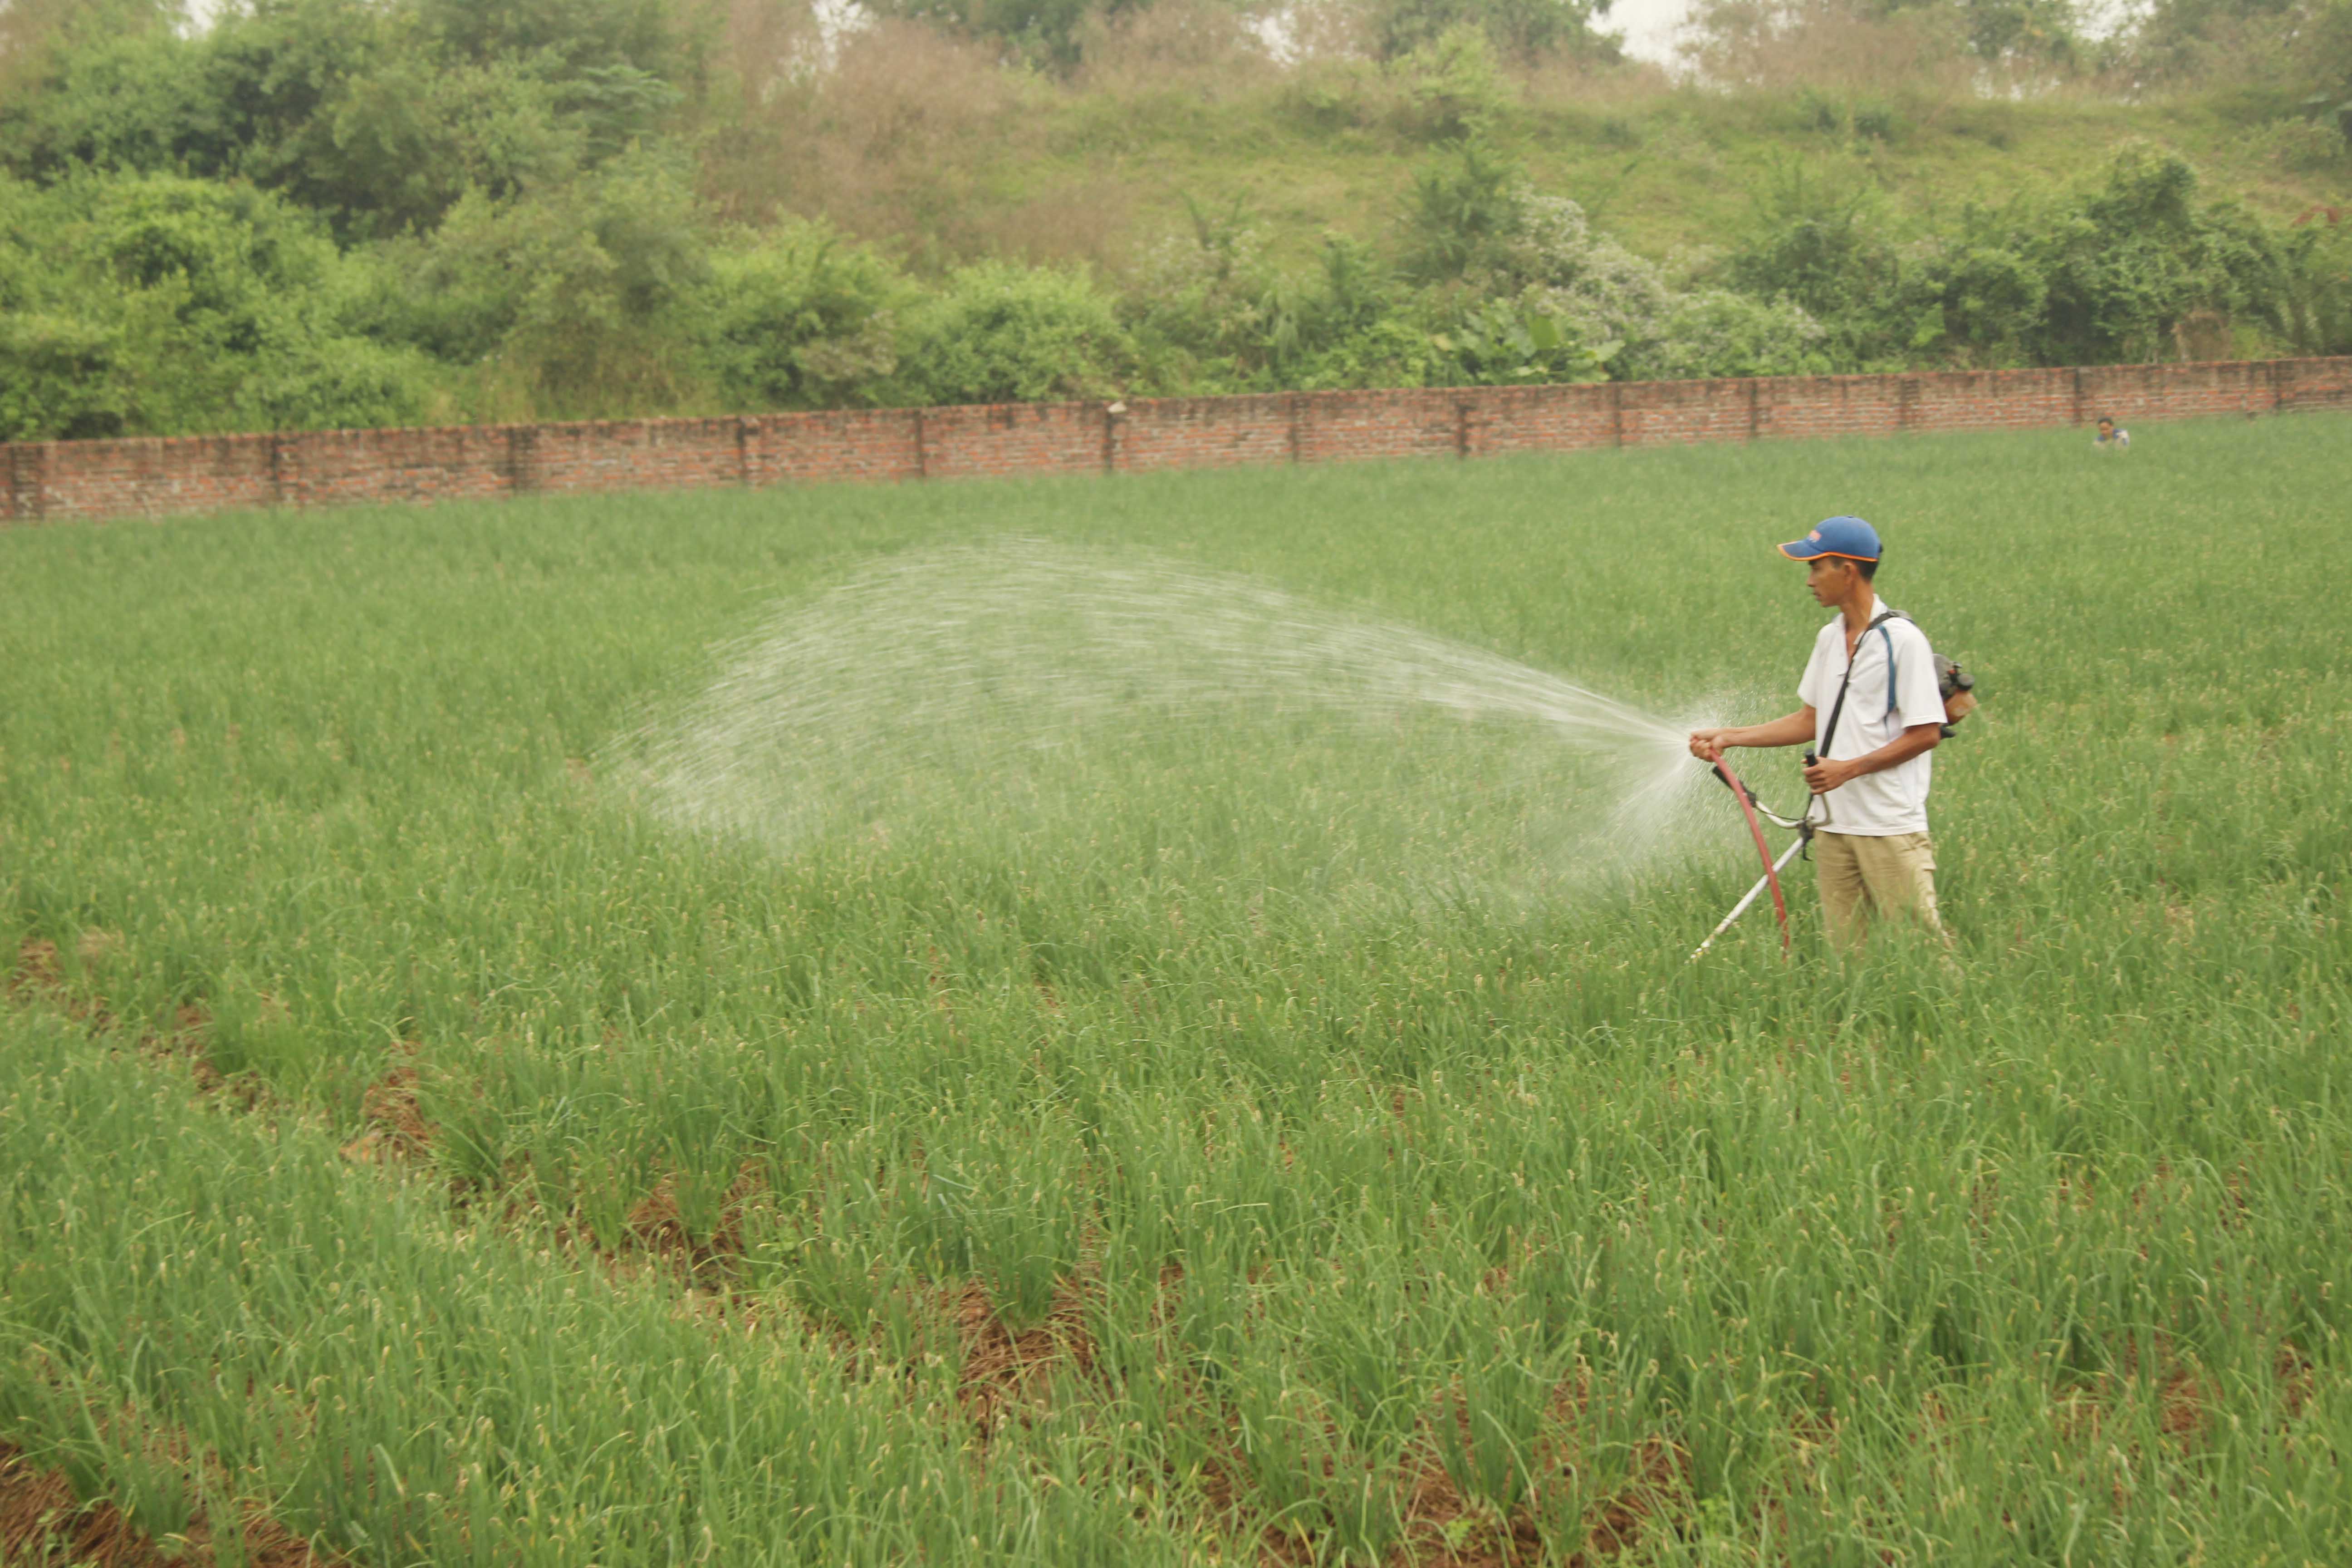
[(1219, 1135)]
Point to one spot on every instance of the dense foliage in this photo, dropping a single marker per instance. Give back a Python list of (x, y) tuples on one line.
[(2133, 265), (349, 211)]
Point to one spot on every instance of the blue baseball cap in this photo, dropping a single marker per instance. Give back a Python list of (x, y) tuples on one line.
[(1847, 536)]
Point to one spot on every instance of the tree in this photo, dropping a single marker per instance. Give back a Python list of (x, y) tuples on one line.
[(1524, 30), (378, 117), (1042, 32), (1732, 33)]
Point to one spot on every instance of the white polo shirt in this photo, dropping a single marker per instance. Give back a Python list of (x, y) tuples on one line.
[(1893, 800)]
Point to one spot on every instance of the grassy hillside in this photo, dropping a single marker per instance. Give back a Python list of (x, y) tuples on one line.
[(1046, 173)]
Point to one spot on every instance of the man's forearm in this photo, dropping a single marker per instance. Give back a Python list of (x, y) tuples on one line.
[(1919, 738), (1825, 775), (1794, 729)]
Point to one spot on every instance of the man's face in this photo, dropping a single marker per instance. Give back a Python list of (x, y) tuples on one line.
[(1829, 576), (2107, 427)]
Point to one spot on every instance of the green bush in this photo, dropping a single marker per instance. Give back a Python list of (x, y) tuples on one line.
[(998, 333), (1714, 331), (1460, 214), (57, 377), (579, 300), (1569, 301), (1992, 299), (1833, 246), (349, 383), (1504, 343), (800, 318), (1389, 351), (1209, 312), (1454, 84), (2113, 271), (2134, 257), (2318, 268), (151, 304)]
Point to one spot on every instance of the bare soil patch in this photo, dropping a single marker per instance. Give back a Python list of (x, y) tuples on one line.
[(396, 1128), (1004, 1371), (43, 1525)]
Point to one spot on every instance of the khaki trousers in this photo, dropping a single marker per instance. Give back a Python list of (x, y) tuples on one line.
[(1864, 877)]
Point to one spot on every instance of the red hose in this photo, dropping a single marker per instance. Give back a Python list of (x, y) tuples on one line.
[(1771, 872)]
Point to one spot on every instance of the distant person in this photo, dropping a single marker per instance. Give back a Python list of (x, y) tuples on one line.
[(1873, 710), (2110, 439)]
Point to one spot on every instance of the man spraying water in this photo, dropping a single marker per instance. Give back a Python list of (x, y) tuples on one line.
[(1873, 710)]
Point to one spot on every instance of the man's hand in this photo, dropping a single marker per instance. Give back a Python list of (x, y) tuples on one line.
[(1706, 746), (1825, 776), (1828, 773)]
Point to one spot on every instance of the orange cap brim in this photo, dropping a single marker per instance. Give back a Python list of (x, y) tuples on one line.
[(1816, 555)]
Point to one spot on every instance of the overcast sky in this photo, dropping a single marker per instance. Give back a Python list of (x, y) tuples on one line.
[(1648, 27)]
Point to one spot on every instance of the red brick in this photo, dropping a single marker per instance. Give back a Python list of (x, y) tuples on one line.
[(59, 479)]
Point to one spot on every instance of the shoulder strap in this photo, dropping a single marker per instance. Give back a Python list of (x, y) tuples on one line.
[(1837, 710), (1888, 638)]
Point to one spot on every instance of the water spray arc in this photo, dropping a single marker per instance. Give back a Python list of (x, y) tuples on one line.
[(1066, 702)]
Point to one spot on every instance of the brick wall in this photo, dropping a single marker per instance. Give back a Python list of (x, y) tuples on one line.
[(153, 478)]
